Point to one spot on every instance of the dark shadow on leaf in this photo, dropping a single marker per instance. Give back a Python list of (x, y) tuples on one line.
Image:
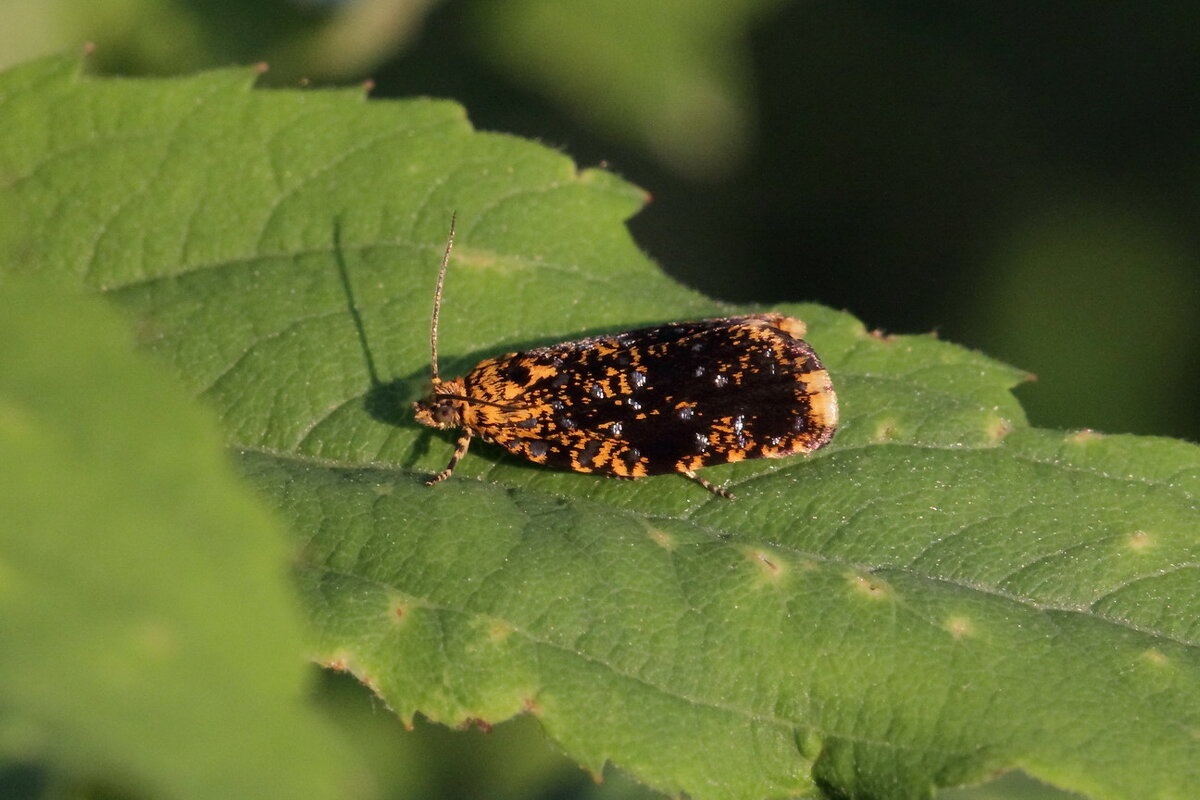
[(352, 306), (391, 402)]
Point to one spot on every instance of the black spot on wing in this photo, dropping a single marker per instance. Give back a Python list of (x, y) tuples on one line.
[(515, 372)]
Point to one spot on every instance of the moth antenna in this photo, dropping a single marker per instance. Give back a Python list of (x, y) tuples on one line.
[(437, 297)]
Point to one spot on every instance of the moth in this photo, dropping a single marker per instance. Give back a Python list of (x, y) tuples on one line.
[(668, 399)]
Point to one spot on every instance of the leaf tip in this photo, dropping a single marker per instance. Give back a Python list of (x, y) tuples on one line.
[(336, 664), (877, 334), (601, 178), (475, 722)]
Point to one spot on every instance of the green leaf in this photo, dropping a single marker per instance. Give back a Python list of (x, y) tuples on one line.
[(147, 630), (314, 41), (672, 78), (941, 594)]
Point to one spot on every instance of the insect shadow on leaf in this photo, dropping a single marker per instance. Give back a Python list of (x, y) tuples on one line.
[(390, 401), (666, 399), (386, 402)]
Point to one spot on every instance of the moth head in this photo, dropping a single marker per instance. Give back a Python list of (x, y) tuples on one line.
[(443, 408)]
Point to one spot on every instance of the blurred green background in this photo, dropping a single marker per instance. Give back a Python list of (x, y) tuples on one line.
[(1021, 177)]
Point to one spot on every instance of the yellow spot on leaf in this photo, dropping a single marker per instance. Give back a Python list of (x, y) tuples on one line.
[(959, 627), (771, 565), (886, 430), (398, 611), (661, 538), (1155, 656), (1140, 540), (996, 428)]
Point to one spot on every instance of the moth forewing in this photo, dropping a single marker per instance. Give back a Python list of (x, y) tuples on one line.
[(670, 398)]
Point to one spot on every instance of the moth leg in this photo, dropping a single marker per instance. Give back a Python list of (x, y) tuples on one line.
[(719, 491), (460, 450)]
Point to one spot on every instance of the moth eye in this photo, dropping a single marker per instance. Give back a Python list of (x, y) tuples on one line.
[(444, 412)]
